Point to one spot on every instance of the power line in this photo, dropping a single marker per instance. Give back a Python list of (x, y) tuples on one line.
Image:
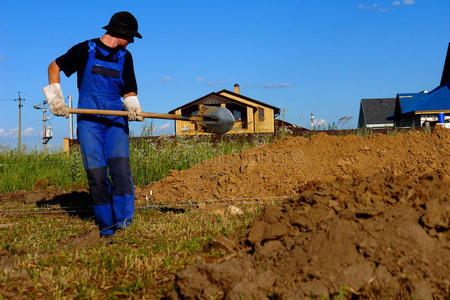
[(19, 133), (31, 96)]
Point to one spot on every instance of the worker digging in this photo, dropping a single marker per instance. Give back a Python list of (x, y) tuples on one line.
[(105, 74)]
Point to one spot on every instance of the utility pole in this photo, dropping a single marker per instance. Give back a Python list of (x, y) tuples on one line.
[(44, 122), (19, 141), (45, 138), (71, 118)]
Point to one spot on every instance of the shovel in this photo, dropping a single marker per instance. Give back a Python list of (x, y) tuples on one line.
[(210, 119)]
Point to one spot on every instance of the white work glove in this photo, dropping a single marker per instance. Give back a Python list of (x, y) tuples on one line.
[(54, 96), (132, 106)]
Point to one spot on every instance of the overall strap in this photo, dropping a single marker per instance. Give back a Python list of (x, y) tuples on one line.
[(120, 60), (92, 47)]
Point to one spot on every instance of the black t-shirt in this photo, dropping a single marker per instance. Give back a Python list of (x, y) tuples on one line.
[(76, 58)]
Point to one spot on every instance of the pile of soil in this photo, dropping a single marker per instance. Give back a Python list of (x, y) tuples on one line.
[(366, 216), (379, 236), (278, 169)]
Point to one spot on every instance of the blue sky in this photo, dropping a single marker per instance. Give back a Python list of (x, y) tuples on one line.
[(318, 56)]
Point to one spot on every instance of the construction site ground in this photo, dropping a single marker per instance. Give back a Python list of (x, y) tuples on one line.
[(350, 217)]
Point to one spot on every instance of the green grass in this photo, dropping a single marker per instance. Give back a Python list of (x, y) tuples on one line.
[(36, 256), (150, 161), (141, 261)]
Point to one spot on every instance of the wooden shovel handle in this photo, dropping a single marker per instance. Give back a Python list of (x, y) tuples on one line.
[(124, 113)]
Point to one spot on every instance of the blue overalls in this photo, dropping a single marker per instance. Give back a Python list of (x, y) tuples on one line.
[(104, 142)]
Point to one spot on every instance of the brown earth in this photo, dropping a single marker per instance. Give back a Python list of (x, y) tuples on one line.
[(367, 216), (381, 236), (278, 169)]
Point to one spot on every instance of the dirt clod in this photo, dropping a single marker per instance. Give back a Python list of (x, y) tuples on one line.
[(366, 217), (306, 244)]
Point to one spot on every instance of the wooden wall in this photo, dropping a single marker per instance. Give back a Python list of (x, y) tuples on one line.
[(257, 126), (253, 124)]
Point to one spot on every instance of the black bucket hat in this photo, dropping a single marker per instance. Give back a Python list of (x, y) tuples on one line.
[(123, 24)]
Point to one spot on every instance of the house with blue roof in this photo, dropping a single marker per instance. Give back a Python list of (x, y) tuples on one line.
[(422, 109)]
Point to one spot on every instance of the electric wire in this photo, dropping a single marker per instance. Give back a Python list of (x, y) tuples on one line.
[(159, 206)]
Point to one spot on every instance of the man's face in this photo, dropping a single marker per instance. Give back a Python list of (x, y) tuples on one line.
[(124, 41)]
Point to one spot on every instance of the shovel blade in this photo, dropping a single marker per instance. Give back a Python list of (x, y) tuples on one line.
[(216, 119)]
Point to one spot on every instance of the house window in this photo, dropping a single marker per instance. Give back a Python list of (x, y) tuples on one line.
[(237, 115), (190, 111), (261, 114)]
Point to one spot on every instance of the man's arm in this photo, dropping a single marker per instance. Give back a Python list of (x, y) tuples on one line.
[(53, 92), (129, 94), (53, 73)]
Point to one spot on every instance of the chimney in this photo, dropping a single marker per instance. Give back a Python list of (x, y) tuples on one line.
[(236, 88)]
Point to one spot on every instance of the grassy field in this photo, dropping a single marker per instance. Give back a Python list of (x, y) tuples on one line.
[(150, 161), (40, 256), (61, 256)]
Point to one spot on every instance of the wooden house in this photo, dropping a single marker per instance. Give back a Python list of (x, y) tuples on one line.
[(251, 115)]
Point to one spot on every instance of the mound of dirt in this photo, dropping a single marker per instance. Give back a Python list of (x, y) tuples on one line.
[(278, 169), (374, 237)]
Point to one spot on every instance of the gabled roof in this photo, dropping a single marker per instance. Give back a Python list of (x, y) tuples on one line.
[(409, 101), (218, 94), (276, 109), (377, 110), (421, 103), (446, 72), (437, 100), (197, 100)]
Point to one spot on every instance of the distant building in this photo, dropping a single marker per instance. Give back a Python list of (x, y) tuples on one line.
[(420, 109), (373, 113), (251, 115), (409, 109)]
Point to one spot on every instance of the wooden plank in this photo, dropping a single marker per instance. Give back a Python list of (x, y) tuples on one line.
[(430, 112)]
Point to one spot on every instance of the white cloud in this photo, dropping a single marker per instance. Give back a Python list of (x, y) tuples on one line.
[(28, 131), (396, 3), (167, 78), (165, 126), (12, 132), (383, 9), (218, 82), (277, 85), (322, 123), (371, 6), (199, 79), (409, 2)]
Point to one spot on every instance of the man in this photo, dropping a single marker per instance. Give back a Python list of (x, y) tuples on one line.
[(105, 74)]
